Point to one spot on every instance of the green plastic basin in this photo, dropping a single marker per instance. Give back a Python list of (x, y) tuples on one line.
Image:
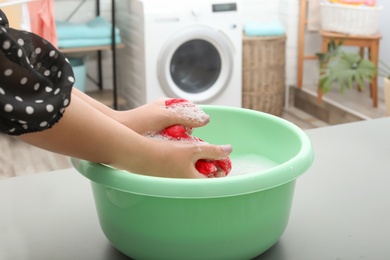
[(236, 217)]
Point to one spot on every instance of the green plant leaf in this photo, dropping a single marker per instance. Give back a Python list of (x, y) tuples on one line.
[(344, 69), (333, 51)]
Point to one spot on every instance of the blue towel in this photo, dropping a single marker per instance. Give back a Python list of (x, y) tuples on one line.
[(273, 28), (76, 43), (96, 28)]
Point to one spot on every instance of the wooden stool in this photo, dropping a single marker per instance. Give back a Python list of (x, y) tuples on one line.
[(371, 42)]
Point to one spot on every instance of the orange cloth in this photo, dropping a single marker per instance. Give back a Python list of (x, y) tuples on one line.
[(42, 20), (355, 2)]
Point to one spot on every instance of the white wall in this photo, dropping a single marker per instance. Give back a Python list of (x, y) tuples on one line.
[(287, 11), (384, 49)]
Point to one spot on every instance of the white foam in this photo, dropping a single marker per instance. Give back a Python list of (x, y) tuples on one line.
[(159, 136), (250, 163), (189, 111)]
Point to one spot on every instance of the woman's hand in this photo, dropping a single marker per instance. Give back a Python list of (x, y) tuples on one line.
[(179, 158), (159, 116), (151, 117), (172, 159), (155, 117)]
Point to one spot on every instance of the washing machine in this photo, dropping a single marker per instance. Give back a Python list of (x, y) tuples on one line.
[(180, 49)]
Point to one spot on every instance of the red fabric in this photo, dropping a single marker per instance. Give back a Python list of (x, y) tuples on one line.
[(173, 101), (179, 132)]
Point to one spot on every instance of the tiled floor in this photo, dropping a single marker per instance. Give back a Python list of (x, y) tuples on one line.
[(302, 119), (354, 101)]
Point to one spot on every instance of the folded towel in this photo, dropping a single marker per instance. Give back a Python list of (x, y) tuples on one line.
[(264, 29), (77, 43), (96, 28)]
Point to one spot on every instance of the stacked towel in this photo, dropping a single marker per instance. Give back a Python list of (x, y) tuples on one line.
[(274, 28), (94, 33)]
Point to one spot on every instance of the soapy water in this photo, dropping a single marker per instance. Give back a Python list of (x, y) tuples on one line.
[(250, 163)]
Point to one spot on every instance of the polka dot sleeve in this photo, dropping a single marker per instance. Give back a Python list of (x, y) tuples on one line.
[(35, 81)]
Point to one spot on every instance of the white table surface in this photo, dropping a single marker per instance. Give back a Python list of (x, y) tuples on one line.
[(341, 207)]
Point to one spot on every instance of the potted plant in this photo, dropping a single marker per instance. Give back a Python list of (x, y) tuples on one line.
[(348, 69), (344, 68)]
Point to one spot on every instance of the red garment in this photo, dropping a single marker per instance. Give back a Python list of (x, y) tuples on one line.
[(179, 132)]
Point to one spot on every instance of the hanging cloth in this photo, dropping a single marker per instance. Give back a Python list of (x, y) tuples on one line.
[(42, 20)]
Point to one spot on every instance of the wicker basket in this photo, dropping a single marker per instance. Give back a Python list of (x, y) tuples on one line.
[(357, 20), (263, 74)]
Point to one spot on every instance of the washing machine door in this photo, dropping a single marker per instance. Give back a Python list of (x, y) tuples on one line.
[(196, 64)]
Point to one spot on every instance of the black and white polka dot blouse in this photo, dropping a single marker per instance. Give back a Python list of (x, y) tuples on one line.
[(35, 81)]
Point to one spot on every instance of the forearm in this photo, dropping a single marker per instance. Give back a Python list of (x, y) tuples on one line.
[(95, 104), (134, 118), (86, 133), (151, 117)]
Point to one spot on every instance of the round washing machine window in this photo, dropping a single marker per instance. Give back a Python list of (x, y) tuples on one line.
[(196, 63), (195, 66)]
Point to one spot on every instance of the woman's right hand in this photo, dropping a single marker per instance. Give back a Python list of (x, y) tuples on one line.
[(175, 159)]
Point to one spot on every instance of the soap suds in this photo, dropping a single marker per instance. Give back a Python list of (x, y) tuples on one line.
[(189, 111)]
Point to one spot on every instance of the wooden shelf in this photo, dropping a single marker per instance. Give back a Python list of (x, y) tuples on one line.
[(90, 48), (110, 47)]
